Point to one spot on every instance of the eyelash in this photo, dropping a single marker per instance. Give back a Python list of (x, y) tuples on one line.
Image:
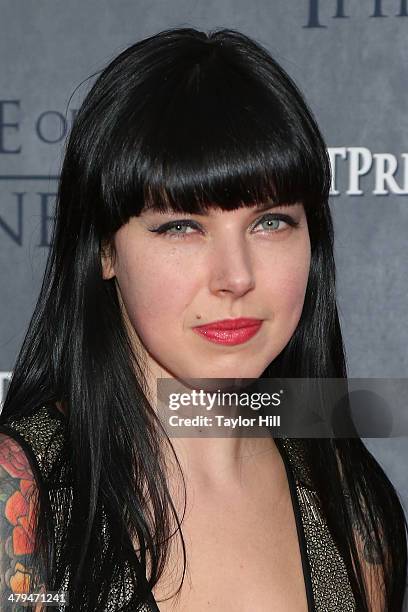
[(163, 229)]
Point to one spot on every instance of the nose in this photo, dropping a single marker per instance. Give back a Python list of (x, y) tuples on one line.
[(231, 268)]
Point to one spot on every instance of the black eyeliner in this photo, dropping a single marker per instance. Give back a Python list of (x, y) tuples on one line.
[(280, 217), (190, 223), (163, 228)]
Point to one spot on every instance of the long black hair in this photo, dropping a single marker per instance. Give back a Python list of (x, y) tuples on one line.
[(182, 120)]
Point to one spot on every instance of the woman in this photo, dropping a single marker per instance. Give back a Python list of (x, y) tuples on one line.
[(194, 189)]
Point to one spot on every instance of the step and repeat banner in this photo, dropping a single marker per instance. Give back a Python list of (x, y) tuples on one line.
[(350, 59)]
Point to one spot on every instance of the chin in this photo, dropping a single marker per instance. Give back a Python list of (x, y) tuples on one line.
[(221, 373)]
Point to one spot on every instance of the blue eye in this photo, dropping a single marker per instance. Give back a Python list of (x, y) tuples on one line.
[(273, 219), (273, 223), (176, 225)]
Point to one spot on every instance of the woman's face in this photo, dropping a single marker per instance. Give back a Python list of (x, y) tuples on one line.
[(250, 262)]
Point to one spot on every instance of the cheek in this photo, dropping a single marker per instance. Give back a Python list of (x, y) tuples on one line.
[(294, 285), (155, 296), (287, 289)]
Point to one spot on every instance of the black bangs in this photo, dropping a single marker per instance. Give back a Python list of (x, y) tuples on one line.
[(206, 124)]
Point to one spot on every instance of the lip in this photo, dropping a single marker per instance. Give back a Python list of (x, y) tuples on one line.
[(238, 323), (229, 331)]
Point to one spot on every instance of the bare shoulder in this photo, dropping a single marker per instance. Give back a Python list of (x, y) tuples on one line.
[(18, 506)]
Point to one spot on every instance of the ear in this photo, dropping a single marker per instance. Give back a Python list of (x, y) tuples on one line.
[(107, 260)]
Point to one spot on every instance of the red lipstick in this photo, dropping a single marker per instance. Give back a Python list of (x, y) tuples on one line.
[(229, 331)]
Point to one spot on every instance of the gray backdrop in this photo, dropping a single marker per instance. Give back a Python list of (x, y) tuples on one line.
[(350, 60)]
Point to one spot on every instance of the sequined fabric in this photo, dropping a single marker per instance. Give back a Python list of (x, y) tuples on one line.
[(44, 433), (329, 577), (332, 591)]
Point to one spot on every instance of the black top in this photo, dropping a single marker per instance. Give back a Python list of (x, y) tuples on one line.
[(42, 435)]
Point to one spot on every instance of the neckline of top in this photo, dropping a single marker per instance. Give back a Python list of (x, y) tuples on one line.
[(296, 509)]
